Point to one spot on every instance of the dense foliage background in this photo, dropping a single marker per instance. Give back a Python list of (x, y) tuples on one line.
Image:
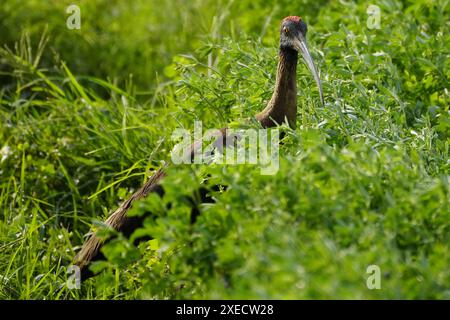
[(87, 115)]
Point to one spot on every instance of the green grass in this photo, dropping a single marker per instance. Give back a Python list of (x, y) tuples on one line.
[(363, 180)]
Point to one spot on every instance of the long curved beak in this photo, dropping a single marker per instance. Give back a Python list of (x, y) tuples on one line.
[(301, 46)]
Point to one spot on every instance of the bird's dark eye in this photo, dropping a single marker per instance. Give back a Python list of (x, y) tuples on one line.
[(286, 30)]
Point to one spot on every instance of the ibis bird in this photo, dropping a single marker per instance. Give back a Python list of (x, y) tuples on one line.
[(281, 108)]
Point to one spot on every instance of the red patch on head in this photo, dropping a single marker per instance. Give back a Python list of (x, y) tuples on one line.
[(295, 19)]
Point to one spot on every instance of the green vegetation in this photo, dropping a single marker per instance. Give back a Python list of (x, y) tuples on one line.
[(363, 180)]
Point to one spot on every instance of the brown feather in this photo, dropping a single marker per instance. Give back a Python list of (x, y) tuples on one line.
[(118, 220)]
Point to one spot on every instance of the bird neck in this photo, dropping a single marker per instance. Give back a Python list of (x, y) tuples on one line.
[(283, 104)]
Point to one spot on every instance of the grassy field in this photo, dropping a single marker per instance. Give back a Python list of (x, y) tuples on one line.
[(87, 115)]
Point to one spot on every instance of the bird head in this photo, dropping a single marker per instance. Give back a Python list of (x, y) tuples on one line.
[(293, 36)]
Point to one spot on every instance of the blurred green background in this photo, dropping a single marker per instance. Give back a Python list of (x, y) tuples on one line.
[(140, 38), (87, 115)]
